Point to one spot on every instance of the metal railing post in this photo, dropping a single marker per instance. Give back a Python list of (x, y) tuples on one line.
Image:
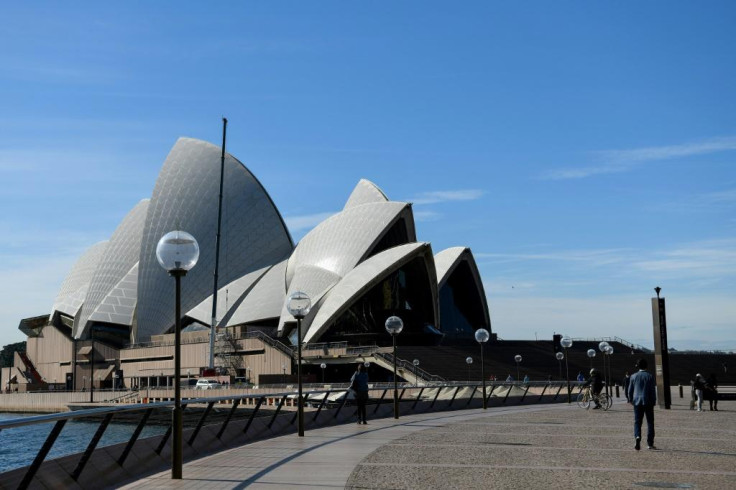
[(200, 423), (134, 437), (42, 453), (227, 419), (470, 399), (319, 409), (419, 396), (253, 414), (276, 412), (91, 446)]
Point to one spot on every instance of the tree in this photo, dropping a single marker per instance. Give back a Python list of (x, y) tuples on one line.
[(6, 355)]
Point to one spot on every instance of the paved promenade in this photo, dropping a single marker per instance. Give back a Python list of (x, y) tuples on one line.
[(548, 446)]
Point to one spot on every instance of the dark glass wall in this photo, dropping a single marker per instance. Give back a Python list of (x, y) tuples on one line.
[(461, 307), (405, 293)]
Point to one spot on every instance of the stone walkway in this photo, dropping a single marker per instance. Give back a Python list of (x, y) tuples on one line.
[(547, 446)]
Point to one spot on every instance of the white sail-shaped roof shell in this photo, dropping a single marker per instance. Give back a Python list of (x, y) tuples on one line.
[(337, 245), (447, 262), (365, 192), (186, 197), (121, 254), (227, 297), (118, 305), (264, 301), (363, 277), (74, 288)]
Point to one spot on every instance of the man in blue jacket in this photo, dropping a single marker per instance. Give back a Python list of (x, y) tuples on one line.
[(642, 394)]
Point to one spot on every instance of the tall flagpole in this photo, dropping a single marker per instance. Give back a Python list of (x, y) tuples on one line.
[(213, 329)]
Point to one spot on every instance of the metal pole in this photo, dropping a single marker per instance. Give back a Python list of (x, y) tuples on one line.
[(300, 402), (567, 374), (92, 367), (213, 328), (483, 377), (396, 384), (176, 422), (518, 376)]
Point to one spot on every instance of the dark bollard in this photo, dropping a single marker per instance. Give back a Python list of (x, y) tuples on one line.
[(680, 386), (617, 393)]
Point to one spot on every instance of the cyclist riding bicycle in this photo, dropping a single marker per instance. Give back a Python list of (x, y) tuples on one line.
[(596, 385)]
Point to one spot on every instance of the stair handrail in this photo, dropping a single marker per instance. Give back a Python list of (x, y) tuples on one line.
[(404, 364), (257, 334), (628, 344)]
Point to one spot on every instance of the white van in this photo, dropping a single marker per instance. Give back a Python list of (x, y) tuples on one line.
[(207, 384)]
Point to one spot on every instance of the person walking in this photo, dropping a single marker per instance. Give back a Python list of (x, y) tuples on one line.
[(642, 394), (711, 391), (596, 386), (699, 387), (625, 383), (359, 384)]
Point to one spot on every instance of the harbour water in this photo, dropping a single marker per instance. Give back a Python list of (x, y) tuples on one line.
[(18, 446)]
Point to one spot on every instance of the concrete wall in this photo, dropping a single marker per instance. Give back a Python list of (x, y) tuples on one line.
[(48, 351)]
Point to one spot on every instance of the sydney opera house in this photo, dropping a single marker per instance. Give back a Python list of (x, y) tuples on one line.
[(113, 317)]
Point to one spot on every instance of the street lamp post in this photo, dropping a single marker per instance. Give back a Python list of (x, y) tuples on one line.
[(415, 362), (609, 353), (323, 366), (566, 343), (591, 355), (299, 305), (92, 367), (560, 356), (517, 358), (177, 252), (482, 336), (394, 326), (469, 362), (603, 347)]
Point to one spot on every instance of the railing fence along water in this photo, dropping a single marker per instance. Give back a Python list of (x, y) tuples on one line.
[(324, 407)]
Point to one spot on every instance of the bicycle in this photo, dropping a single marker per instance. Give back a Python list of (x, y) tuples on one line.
[(586, 397)]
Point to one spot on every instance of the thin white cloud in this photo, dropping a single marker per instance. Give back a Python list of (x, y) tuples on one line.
[(701, 259), (53, 71), (593, 257), (434, 197), (615, 161), (427, 216), (718, 198), (307, 221)]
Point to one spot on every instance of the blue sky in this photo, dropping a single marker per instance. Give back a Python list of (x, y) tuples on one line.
[(583, 150)]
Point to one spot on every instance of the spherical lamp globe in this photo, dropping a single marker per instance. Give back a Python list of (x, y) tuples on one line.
[(299, 304), (566, 342), (177, 251), (394, 325), (482, 335)]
